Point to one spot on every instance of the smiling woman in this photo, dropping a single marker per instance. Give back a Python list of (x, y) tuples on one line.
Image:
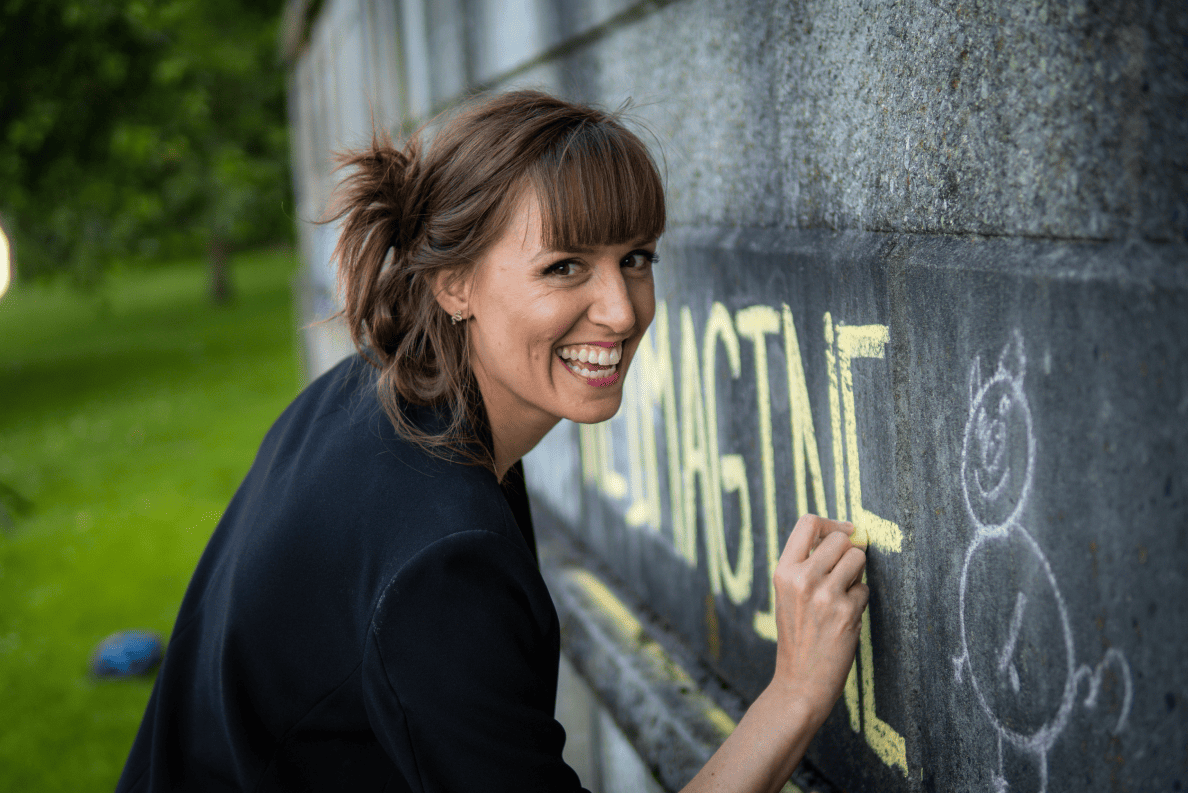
[(369, 613), (537, 220), (549, 329)]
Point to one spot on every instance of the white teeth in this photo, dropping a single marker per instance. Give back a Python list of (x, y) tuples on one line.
[(585, 372), (601, 357)]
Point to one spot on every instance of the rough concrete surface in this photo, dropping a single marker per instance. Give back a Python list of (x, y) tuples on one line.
[(1036, 119)]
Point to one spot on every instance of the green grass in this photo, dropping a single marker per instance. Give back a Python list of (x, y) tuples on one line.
[(127, 418)]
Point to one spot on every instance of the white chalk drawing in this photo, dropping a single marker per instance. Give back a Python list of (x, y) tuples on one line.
[(1016, 642)]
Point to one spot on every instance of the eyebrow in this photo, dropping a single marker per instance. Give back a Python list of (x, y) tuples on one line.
[(549, 253)]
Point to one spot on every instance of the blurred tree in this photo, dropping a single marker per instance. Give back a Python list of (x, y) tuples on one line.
[(12, 504), (141, 129)]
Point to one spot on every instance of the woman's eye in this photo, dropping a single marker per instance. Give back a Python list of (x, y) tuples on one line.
[(640, 260), (562, 268)]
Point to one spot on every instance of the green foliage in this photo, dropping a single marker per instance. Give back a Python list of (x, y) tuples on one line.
[(140, 129), (129, 416)]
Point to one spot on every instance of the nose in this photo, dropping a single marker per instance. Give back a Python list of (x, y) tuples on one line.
[(611, 305)]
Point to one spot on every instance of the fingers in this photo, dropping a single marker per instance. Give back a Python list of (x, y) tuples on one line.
[(848, 570), (828, 553), (803, 537), (835, 562), (857, 535), (809, 532), (859, 596)]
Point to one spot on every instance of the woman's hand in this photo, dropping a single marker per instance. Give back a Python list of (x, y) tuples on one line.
[(819, 602)]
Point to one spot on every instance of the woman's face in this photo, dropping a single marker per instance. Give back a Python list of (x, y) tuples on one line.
[(552, 332)]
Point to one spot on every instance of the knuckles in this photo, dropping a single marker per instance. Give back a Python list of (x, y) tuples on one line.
[(834, 539), (798, 587), (827, 602), (791, 579), (819, 524), (807, 519)]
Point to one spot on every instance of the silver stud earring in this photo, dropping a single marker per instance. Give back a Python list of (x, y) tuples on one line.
[(454, 320)]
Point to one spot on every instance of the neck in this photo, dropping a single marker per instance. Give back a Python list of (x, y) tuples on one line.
[(513, 436), (515, 427)]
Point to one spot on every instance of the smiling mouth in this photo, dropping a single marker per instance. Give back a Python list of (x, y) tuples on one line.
[(594, 362)]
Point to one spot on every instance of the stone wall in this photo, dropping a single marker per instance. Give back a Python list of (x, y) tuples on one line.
[(926, 270)]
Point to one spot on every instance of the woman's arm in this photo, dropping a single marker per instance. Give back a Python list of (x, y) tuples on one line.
[(819, 604)]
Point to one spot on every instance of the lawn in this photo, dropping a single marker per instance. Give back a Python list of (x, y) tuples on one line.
[(127, 419)]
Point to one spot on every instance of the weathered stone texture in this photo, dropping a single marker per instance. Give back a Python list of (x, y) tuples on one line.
[(1017, 119)]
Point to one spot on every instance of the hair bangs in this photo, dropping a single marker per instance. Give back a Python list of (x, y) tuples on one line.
[(598, 186)]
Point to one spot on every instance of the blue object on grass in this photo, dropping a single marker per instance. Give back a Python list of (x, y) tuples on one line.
[(127, 653)]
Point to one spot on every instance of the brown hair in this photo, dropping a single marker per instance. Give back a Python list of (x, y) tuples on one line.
[(411, 213)]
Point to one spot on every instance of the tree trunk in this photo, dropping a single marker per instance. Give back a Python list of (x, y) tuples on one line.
[(221, 290)]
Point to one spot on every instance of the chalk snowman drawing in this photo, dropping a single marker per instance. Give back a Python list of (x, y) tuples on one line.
[(1016, 643)]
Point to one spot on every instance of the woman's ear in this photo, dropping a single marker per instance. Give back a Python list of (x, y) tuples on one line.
[(452, 291)]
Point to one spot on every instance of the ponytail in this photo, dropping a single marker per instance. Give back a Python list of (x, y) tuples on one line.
[(388, 301)]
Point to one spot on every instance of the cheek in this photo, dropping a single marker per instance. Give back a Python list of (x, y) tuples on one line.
[(552, 316), (643, 299), (643, 302), (538, 324)]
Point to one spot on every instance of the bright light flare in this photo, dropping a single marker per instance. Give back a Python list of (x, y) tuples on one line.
[(5, 263)]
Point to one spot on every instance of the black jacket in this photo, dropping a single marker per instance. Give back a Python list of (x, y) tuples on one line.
[(366, 617)]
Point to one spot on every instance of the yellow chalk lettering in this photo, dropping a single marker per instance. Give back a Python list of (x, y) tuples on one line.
[(639, 507), (805, 452), (886, 742), (588, 439), (862, 341), (652, 372), (850, 692), (865, 341), (614, 610), (610, 481), (755, 322), (694, 461), (719, 326), (598, 459), (839, 476), (851, 696), (737, 580)]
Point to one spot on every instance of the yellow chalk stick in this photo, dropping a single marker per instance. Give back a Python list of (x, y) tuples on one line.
[(859, 538)]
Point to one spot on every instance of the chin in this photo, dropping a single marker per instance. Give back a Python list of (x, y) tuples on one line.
[(595, 411)]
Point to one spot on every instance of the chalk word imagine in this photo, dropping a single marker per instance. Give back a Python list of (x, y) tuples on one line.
[(689, 435)]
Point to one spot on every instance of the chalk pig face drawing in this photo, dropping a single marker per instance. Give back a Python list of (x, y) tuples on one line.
[(1017, 644)]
